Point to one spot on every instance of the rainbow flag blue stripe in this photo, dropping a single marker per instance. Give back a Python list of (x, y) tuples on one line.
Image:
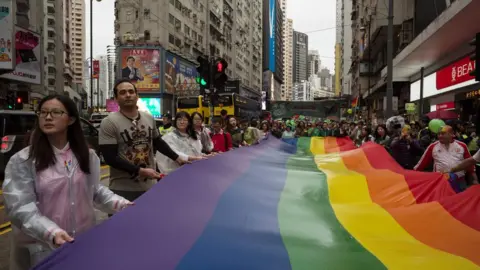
[(312, 203)]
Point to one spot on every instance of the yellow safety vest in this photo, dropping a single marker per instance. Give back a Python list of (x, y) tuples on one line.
[(164, 131)]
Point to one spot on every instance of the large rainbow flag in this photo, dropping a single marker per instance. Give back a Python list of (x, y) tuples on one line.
[(312, 204)]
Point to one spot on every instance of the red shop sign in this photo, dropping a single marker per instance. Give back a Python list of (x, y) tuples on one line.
[(455, 73), (446, 106)]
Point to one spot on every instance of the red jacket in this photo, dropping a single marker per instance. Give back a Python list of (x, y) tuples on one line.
[(222, 141)]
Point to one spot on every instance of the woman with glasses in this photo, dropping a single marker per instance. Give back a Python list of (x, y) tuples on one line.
[(50, 187), (183, 140)]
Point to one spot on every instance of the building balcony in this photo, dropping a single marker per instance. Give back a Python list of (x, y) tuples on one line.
[(67, 72)]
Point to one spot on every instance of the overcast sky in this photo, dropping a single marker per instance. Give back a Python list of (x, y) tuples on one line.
[(313, 15), (307, 15)]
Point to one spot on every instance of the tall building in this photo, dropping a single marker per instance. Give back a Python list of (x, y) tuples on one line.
[(288, 61), (302, 91), (77, 37), (300, 56), (273, 46), (190, 28), (314, 63), (55, 46)]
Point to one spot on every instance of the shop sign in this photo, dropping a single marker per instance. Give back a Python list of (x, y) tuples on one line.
[(445, 106), (473, 94), (410, 107), (455, 73)]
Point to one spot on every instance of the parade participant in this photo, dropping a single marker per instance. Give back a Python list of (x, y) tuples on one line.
[(203, 133), (51, 186), (128, 140), (222, 140), (234, 131), (184, 141), (446, 154), (167, 124)]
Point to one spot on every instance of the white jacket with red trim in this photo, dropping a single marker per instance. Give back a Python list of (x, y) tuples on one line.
[(444, 159)]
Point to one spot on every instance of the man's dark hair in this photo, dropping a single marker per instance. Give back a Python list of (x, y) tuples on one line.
[(223, 112), (130, 57), (115, 87), (216, 120)]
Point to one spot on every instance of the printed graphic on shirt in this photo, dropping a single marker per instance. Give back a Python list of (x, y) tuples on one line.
[(138, 144)]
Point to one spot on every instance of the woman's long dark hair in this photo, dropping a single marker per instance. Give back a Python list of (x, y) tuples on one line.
[(41, 150), (376, 135), (190, 129)]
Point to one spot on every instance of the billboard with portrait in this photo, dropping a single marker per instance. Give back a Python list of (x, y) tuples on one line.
[(7, 50), (142, 67), (180, 76), (28, 59)]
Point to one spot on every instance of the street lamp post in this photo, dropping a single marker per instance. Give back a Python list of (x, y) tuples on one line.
[(389, 109)]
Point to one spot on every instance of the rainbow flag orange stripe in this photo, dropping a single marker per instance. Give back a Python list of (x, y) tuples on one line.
[(421, 222)]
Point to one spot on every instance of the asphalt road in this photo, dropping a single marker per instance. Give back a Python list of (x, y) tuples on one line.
[(5, 235)]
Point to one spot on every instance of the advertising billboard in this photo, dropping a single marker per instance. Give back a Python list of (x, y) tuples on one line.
[(28, 58), (271, 35), (150, 105), (142, 67), (7, 55), (180, 76)]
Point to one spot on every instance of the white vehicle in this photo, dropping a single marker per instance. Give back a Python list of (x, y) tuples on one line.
[(96, 118)]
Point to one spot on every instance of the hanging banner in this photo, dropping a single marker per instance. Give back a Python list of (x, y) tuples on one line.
[(7, 48), (96, 69), (28, 67), (180, 76)]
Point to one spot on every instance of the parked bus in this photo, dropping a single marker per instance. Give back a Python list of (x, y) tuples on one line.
[(194, 104), (237, 106)]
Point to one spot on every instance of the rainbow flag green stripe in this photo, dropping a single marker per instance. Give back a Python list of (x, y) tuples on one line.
[(310, 230)]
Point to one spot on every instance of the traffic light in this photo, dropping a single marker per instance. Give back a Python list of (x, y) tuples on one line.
[(476, 57), (203, 70), (19, 105), (10, 104), (219, 76)]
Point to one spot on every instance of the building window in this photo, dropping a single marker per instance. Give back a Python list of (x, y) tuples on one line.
[(187, 30), (200, 39), (178, 42), (178, 5), (172, 2), (171, 39), (171, 18), (146, 35)]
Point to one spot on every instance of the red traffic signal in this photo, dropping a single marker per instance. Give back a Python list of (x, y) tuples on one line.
[(19, 100), (219, 67)]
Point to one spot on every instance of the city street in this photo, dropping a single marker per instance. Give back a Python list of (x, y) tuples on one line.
[(5, 235)]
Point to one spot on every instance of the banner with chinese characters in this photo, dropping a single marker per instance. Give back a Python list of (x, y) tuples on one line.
[(142, 67), (96, 69)]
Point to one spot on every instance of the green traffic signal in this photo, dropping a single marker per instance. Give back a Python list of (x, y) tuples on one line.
[(203, 82)]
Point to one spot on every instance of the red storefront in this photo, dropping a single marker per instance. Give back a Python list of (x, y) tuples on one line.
[(450, 88)]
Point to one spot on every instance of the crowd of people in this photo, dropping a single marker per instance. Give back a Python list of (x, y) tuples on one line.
[(51, 186)]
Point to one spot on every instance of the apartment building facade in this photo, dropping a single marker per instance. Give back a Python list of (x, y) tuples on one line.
[(78, 39), (300, 56), (287, 85), (313, 63), (231, 29)]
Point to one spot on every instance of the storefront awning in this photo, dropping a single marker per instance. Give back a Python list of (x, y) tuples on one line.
[(455, 27)]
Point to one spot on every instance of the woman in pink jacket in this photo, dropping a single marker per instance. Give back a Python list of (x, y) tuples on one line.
[(50, 187)]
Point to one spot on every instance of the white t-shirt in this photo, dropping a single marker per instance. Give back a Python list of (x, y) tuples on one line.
[(477, 156)]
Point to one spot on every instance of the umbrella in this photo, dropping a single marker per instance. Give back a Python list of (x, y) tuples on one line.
[(395, 122), (444, 115)]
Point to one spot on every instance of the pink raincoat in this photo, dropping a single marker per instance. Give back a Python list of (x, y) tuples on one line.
[(61, 197)]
